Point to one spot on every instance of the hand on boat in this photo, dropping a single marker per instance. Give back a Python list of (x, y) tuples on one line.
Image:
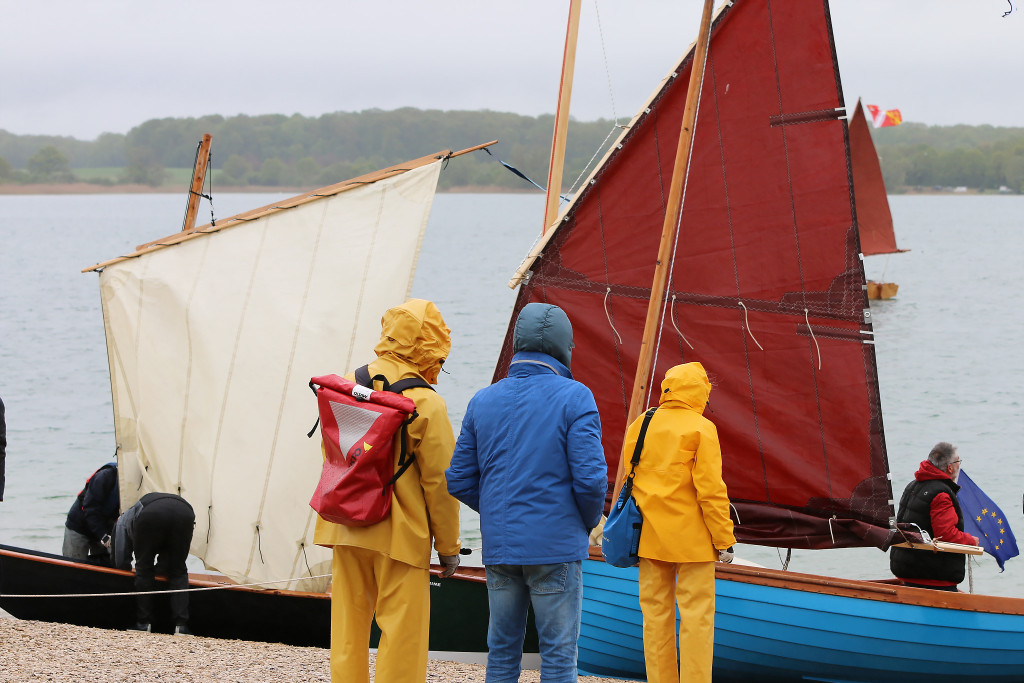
[(449, 562), (726, 555)]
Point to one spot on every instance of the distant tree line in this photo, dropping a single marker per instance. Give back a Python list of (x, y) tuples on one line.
[(979, 157), (299, 151)]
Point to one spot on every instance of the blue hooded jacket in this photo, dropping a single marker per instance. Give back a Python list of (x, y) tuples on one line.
[(529, 458)]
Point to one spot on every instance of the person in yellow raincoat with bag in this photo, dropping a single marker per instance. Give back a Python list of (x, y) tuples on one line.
[(383, 569), (685, 506)]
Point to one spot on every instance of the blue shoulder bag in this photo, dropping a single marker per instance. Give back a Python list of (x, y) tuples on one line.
[(621, 544)]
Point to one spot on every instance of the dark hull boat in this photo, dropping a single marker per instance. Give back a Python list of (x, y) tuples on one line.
[(229, 611)]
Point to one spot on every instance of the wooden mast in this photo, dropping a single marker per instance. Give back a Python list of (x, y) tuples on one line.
[(198, 178), (672, 213), (557, 163)]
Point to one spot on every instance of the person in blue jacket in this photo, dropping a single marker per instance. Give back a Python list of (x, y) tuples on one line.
[(529, 460)]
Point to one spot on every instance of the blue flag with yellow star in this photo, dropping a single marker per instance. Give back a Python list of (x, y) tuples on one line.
[(984, 519)]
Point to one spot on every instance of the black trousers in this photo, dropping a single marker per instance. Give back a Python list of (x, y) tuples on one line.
[(164, 529)]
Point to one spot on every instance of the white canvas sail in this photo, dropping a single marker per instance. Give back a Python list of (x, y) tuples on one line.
[(212, 341)]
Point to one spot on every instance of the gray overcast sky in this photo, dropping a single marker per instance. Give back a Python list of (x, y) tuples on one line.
[(77, 68)]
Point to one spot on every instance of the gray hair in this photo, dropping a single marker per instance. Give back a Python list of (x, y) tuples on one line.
[(942, 454)]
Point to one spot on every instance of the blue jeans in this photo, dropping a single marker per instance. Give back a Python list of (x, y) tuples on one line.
[(556, 592)]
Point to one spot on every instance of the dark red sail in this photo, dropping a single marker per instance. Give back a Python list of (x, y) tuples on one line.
[(766, 282), (874, 219)]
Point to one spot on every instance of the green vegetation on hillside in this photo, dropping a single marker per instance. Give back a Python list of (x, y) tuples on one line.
[(299, 151)]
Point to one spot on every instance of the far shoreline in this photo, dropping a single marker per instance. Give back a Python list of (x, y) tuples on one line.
[(95, 188)]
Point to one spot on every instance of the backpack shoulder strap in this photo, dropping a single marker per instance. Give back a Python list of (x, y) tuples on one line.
[(363, 377), (410, 382)]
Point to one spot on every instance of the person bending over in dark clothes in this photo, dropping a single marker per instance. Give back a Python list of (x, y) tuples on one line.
[(90, 520), (3, 447), (160, 524)]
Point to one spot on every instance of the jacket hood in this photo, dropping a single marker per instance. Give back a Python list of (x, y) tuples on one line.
[(416, 334), (688, 385), (544, 328), (926, 471)]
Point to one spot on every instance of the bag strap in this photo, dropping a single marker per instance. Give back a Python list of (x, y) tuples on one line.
[(363, 377), (628, 486), (406, 458)]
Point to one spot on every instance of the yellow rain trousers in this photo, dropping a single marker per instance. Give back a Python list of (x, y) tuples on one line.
[(691, 585), (365, 582), (679, 489), (384, 568)]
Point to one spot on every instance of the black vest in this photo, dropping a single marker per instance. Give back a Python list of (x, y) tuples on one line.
[(915, 507)]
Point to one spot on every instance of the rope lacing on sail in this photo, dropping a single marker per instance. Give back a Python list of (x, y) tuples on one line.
[(672, 315), (811, 330), (746, 326), (609, 316)]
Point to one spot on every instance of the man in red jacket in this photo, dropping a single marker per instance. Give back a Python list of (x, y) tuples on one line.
[(930, 502)]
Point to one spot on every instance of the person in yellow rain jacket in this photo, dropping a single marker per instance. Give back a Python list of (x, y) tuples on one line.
[(384, 568), (685, 506)]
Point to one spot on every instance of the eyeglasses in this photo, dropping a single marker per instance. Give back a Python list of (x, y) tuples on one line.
[(956, 462)]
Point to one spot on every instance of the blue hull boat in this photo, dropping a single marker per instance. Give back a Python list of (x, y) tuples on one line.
[(773, 625)]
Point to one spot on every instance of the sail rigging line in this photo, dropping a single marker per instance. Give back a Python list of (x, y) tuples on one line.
[(586, 168), (654, 319), (608, 315), (607, 71), (679, 217), (673, 317), (305, 558), (813, 338), (517, 172)]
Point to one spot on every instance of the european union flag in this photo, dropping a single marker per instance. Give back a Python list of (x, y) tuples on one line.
[(984, 519)]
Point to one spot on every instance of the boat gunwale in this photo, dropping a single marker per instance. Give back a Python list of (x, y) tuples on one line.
[(884, 590), (470, 574), (881, 590)]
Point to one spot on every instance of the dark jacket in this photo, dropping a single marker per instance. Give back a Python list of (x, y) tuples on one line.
[(3, 448), (94, 511), (124, 541), (917, 506)]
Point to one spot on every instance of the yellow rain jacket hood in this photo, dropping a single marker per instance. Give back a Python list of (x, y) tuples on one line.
[(678, 484), (415, 334), (414, 342)]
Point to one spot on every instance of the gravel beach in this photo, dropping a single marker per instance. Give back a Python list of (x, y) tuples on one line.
[(40, 651)]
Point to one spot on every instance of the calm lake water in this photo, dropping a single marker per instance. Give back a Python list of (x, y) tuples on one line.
[(949, 347)]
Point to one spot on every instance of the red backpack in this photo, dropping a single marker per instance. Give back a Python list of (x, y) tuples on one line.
[(358, 426)]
